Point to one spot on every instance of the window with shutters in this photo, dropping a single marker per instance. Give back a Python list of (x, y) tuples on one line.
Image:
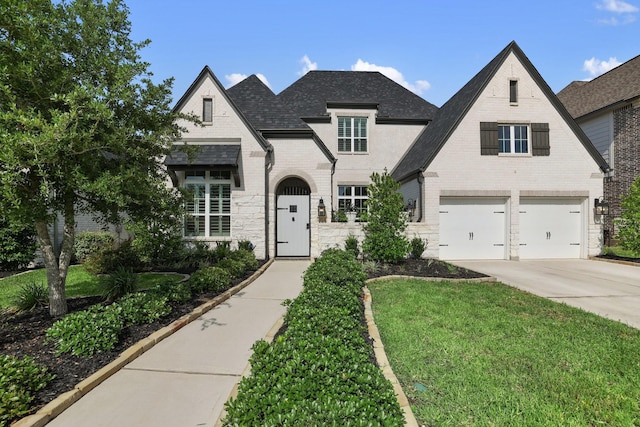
[(207, 110), (352, 134), (208, 204), (518, 139)]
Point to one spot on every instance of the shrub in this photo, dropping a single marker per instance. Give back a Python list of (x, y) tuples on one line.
[(210, 279), (118, 284), (110, 260), (247, 258), (89, 243), (178, 292), (319, 371), (20, 379), (418, 246), (629, 223), (336, 267), (246, 245), (87, 332), (158, 244), (351, 245), (17, 245), (234, 267), (137, 309), (30, 296), (385, 221)]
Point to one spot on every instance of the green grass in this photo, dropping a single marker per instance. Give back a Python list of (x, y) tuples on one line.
[(618, 251), (79, 283), (490, 355)]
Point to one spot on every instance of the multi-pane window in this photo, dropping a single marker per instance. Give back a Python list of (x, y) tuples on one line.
[(352, 198), (207, 110), (208, 204), (513, 139), (352, 134), (513, 91)]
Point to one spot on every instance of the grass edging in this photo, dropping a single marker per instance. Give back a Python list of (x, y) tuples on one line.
[(54, 408)]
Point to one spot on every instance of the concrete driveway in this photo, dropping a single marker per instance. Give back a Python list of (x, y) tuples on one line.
[(607, 289)]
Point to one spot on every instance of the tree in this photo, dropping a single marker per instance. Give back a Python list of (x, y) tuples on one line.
[(83, 127), (385, 221), (629, 224)]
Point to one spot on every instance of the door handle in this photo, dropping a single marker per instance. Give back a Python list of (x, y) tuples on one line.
[(308, 226), (471, 235)]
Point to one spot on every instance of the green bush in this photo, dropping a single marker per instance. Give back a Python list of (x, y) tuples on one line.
[(234, 267), (248, 259), (141, 308), (30, 296), (88, 243), (351, 245), (629, 223), (20, 379), (336, 267), (179, 292), (118, 284), (319, 371), (17, 245), (110, 260), (210, 279), (158, 244), (385, 221), (246, 245), (418, 246), (87, 332)]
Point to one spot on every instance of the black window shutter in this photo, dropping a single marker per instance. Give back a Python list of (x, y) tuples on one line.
[(540, 139), (489, 138)]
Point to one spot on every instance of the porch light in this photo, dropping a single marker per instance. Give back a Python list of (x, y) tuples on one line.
[(322, 211), (411, 209), (601, 206)]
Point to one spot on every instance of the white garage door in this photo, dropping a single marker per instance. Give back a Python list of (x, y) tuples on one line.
[(473, 228), (550, 228)]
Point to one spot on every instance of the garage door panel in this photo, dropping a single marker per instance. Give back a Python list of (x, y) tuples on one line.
[(472, 228), (550, 228)]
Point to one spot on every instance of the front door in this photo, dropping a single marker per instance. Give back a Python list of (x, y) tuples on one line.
[(293, 226)]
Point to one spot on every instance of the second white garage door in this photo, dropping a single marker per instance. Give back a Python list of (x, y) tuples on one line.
[(550, 228), (473, 228)]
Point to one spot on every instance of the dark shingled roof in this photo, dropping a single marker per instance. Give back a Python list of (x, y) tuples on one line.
[(205, 155), (309, 95), (436, 134), (619, 85), (262, 108)]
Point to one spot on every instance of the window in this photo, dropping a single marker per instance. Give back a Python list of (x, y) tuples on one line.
[(207, 110), (208, 204), (513, 91), (352, 134), (352, 198), (513, 139)]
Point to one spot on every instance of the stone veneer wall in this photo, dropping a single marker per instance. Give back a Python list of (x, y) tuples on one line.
[(626, 128)]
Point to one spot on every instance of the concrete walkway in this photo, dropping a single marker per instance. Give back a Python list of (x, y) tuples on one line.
[(185, 379), (608, 289)]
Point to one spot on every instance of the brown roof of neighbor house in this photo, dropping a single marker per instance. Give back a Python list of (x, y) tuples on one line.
[(614, 87)]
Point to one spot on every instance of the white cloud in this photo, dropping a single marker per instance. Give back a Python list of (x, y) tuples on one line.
[(418, 87), (235, 78), (307, 65), (617, 6), (595, 67)]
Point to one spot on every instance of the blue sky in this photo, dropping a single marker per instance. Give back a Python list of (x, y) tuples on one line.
[(431, 47)]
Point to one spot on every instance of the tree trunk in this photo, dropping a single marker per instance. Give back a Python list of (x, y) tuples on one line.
[(57, 267)]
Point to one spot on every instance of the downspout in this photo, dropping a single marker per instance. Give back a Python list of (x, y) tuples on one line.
[(333, 171), (268, 163), (420, 193)]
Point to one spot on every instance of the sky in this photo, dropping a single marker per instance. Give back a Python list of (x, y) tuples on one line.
[(431, 47)]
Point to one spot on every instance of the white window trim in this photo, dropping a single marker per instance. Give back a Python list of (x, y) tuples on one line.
[(353, 137), (512, 153), (352, 198), (208, 182), (205, 98)]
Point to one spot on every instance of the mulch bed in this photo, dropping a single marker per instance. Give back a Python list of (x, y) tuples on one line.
[(24, 334)]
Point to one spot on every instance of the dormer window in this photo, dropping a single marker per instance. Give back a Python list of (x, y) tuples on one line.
[(513, 91), (207, 110)]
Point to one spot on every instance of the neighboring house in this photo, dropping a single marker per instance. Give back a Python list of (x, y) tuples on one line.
[(607, 108), (500, 171)]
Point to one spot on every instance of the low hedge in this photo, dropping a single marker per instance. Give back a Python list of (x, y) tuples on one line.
[(320, 370)]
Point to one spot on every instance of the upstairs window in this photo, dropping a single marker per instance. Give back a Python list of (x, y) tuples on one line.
[(208, 204), (207, 110), (513, 91), (513, 139), (352, 134)]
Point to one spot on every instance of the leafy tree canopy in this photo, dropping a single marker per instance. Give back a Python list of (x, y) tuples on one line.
[(83, 126)]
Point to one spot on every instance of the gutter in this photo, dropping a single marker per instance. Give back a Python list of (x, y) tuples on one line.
[(267, 168), (420, 194)]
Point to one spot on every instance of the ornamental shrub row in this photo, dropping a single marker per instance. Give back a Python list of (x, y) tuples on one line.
[(20, 379), (320, 370)]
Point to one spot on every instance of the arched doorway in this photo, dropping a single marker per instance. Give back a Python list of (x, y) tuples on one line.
[(293, 218)]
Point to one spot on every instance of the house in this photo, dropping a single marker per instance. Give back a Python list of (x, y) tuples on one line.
[(500, 171), (607, 108)]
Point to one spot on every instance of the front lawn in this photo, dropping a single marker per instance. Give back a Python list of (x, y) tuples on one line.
[(487, 354), (79, 283)]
